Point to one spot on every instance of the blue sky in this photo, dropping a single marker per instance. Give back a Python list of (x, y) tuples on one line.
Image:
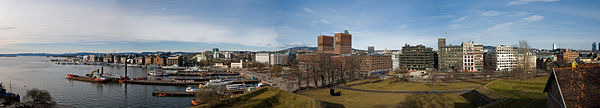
[(176, 25)]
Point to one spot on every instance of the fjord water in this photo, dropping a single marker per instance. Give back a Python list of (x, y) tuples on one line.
[(27, 72)]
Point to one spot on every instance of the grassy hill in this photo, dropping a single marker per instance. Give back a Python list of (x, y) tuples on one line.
[(521, 94), (269, 97)]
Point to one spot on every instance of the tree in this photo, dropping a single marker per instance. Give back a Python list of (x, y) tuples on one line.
[(208, 96), (276, 70), (523, 64), (38, 98)]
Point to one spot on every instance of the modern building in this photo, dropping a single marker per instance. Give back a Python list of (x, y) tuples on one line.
[(174, 61), (530, 59), (450, 57), (554, 46), (263, 58), (371, 49), (472, 57), (416, 58), (502, 58), (567, 56), (395, 61), (325, 44), (343, 43), (594, 47), (375, 62), (278, 59), (200, 57), (241, 64)]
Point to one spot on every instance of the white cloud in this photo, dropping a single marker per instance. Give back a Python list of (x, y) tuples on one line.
[(454, 26), (534, 18), (491, 13), (521, 2), (308, 10), (325, 21), (498, 27), (403, 26), (460, 19), (25, 22)]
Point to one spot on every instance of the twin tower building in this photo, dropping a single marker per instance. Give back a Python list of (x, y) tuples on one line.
[(340, 43)]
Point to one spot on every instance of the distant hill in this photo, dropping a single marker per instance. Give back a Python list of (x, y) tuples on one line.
[(269, 97), (300, 48)]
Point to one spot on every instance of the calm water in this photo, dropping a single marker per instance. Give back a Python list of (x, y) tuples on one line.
[(28, 72)]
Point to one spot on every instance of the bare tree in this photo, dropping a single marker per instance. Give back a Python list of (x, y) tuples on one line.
[(523, 64), (37, 98)]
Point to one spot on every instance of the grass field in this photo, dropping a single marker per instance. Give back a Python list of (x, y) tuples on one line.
[(395, 85), (358, 99), (521, 94), (268, 97)]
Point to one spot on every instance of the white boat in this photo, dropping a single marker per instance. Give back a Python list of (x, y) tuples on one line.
[(192, 89), (218, 82), (157, 73), (235, 87)]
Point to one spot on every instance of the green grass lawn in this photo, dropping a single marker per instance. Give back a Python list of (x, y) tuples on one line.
[(268, 97), (394, 85), (523, 94), (358, 99)]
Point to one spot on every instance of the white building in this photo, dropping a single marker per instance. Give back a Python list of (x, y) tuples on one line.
[(395, 61), (279, 59), (472, 57), (227, 55), (532, 59), (503, 58), (241, 64), (263, 58)]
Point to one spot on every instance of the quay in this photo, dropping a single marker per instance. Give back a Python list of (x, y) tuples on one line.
[(162, 82), (203, 74), (167, 82), (181, 93)]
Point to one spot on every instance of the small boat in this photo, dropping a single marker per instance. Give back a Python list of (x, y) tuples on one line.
[(235, 87), (217, 82), (192, 89), (157, 73)]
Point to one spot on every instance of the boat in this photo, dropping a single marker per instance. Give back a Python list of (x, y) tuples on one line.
[(94, 76), (235, 87), (193, 88), (86, 78), (157, 73), (217, 82)]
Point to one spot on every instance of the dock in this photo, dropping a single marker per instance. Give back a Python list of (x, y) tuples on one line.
[(162, 82), (182, 93), (203, 74), (168, 82)]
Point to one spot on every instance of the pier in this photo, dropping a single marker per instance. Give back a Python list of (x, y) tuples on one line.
[(181, 93), (203, 74), (167, 82)]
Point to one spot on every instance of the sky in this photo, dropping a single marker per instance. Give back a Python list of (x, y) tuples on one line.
[(68, 26)]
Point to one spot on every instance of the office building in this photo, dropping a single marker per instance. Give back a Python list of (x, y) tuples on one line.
[(594, 47), (375, 62), (450, 57), (343, 43), (472, 57), (263, 58), (502, 58), (325, 44), (416, 57), (371, 49), (278, 59)]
